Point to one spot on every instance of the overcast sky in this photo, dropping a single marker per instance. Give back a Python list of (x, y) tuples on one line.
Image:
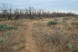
[(53, 5)]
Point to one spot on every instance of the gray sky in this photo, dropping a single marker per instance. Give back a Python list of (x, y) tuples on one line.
[(52, 5)]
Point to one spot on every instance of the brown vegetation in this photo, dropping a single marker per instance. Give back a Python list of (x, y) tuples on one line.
[(38, 36)]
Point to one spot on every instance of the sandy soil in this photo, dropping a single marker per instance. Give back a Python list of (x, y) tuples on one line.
[(30, 45)]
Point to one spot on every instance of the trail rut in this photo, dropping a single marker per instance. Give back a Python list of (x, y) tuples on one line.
[(30, 44)]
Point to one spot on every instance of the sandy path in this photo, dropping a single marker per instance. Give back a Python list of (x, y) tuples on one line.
[(30, 44)]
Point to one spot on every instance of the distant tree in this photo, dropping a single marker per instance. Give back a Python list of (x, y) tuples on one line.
[(30, 12), (10, 13), (4, 10), (16, 13), (40, 13)]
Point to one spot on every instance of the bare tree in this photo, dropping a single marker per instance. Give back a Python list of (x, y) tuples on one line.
[(30, 12), (16, 13), (4, 9), (10, 13), (40, 13)]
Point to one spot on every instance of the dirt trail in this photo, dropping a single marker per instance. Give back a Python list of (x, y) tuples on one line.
[(30, 44)]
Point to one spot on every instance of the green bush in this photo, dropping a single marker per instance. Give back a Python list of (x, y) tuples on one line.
[(52, 22), (4, 27)]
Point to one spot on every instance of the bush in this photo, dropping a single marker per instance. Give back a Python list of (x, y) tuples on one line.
[(4, 27), (52, 22), (72, 47), (1, 40), (69, 45)]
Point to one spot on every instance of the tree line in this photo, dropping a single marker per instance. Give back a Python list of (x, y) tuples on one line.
[(32, 13)]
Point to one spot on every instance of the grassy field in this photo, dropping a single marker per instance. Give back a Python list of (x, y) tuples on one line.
[(43, 35)]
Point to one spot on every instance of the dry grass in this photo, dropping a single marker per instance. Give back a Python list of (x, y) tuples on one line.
[(55, 37), (52, 38), (16, 39)]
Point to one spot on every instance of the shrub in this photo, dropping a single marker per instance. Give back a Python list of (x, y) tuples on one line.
[(72, 47), (1, 40), (76, 48), (69, 45), (5, 34), (52, 22), (4, 27)]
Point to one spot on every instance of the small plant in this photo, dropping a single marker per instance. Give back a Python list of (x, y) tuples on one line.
[(4, 27), (1, 40), (69, 45), (4, 37), (76, 48), (5, 34), (72, 47), (52, 22)]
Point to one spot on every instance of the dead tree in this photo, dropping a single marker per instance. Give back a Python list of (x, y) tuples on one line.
[(4, 10), (16, 14), (30, 12), (10, 14)]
